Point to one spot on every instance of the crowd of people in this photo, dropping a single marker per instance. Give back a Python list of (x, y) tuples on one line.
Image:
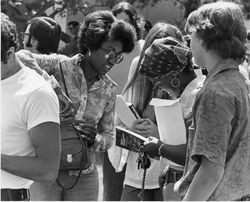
[(205, 68)]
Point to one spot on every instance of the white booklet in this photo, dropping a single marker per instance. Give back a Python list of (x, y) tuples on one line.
[(170, 121), (124, 112)]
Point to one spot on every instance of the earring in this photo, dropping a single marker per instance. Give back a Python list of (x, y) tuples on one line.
[(175, 82), (88, 52)]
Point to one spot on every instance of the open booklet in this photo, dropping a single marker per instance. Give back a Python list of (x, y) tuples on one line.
[(129, 140), (126, 138)]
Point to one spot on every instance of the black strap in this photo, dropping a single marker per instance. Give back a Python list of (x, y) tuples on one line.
[(141, 194), (82, 142), (70, 187), (63, 79)]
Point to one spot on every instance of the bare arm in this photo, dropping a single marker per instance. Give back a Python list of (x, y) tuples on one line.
[(155, 148), (175, 153), (205, 181), (44, 166)]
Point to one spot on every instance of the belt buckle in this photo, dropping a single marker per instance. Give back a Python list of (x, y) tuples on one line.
[(17, 194), (24, 194)]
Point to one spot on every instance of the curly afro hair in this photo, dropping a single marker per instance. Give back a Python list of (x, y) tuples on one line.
[(101, 26)]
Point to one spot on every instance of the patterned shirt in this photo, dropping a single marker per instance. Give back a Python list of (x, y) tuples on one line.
[(96, 103), (221, 132)]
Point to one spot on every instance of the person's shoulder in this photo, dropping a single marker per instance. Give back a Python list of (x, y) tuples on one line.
[(45, 91), (35, 85), (72, 64)]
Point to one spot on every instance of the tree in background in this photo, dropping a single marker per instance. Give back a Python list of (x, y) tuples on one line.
[(20, 11), (38, 7)]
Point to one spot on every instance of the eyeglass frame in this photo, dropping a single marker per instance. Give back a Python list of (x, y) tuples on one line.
[(109, 53)]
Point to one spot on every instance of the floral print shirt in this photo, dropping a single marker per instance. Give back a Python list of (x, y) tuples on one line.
[(96, 104), (221, 132)]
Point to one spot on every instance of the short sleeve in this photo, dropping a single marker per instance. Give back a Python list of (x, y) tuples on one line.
[(213, 118), (41, 106)]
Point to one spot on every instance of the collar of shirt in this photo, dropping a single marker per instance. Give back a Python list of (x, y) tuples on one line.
[(225, 64), (103, 82)]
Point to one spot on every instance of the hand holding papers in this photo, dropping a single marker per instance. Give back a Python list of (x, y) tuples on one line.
[(170, 121)]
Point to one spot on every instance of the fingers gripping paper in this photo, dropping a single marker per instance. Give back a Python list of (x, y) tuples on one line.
[(170, 121)]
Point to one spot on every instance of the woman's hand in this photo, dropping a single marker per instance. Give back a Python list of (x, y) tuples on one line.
[(88, 132), (151, 147), (27, 58), (101, 143), (145, 127)]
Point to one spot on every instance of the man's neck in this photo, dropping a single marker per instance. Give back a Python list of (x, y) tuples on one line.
[(211, 61), (13, 67)]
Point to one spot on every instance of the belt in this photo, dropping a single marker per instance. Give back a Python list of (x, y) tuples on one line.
[(84, 172), (244, 198), (173, 175), (15, 195)]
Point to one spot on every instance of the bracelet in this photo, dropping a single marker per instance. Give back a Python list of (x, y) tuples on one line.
[(45, 75), (159, 150), (53, 82)]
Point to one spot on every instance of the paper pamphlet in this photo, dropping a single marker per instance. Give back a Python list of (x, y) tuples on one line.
[(124, 112), (170, 121)]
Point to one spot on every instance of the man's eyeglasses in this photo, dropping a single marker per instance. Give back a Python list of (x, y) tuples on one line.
[(23, 34), (111, 56)]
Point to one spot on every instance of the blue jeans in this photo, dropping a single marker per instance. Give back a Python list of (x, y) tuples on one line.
[(86, 189), (131, 194)]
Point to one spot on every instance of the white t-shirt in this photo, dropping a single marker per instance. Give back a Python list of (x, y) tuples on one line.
[(27, 100)]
